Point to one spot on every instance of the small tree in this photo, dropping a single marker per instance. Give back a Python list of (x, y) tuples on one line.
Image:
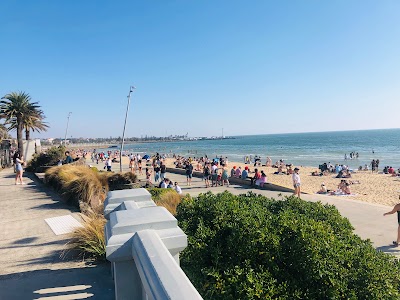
[(16, 108)]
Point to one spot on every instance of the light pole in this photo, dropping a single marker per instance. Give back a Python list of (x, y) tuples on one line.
[(66, 130), (123, 133)]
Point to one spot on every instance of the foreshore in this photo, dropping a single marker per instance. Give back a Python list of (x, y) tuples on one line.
[(372, 187)]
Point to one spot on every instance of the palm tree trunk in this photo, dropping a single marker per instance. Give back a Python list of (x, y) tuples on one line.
[(19, 135), (27, 134)]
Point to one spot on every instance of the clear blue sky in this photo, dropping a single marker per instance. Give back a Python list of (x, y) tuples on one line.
[(251, 67)]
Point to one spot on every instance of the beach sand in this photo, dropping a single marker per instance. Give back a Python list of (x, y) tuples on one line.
[(373, 188)]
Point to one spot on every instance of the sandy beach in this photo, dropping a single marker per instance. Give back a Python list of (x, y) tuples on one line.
[(373, 188)]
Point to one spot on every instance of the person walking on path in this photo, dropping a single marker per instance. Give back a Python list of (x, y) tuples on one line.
[(157, 173), (207, 174), (189, 173), (163, 170), (296, 182), (395, 209), (19, 161), (108, 164)]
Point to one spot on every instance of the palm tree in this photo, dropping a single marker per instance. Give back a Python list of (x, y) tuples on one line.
[(32, 120), (16, 107)]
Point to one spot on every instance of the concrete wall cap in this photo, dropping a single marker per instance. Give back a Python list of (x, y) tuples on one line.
[(128, 221)]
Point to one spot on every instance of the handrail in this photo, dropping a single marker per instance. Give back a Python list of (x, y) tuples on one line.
[(143, 246), (161, 276)]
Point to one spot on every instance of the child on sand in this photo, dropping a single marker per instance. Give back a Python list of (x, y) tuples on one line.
[(296, 182)]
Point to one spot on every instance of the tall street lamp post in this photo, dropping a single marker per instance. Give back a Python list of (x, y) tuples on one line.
[(66, 130), (123, 133)]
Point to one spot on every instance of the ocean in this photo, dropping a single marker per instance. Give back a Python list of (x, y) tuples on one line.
[(301, 149)]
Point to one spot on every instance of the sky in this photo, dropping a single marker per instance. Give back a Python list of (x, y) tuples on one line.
[(250, 67)]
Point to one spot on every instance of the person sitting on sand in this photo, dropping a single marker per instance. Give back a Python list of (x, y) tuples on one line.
[(316, 173), (323, 189), (256, 176), (289, 170), (238, 173), (346, 188), (245, 173), (280, 171), (346, 174), (262, 180), (233, 171), (395, 209)]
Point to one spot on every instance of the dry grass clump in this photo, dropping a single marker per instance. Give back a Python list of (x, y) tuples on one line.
[(88, 242), (118, 181), (169, 198), (77, 184)]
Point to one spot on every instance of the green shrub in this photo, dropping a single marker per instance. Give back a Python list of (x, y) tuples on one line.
[(252, 247), (50, 158)]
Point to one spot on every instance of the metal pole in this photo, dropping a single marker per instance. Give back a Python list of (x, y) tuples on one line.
[(123, 133), (66, 130)]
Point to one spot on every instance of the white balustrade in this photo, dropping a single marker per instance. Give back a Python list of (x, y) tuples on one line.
[(143, 242)]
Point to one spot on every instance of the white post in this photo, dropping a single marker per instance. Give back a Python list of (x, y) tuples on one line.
[(66, 130)]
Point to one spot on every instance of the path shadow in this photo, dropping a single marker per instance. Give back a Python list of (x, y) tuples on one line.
[(24, 243), (93, 282), (392, 249), (39, 186)]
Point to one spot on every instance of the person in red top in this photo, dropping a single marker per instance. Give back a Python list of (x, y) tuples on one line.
[(256, 176)]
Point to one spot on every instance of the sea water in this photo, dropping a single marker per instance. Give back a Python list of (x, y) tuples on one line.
[(301, 149)]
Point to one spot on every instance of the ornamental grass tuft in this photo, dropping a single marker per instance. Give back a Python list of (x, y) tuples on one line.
[(88, 242), (168, 198)]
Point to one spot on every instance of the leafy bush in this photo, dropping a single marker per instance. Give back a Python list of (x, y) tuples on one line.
[(50, 158), (252, 247), (88, 241), (168, 198)]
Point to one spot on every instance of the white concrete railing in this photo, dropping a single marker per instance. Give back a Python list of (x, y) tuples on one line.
[(143, 242)]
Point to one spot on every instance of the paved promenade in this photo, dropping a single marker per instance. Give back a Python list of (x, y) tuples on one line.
[(30, 264), (366, 218)]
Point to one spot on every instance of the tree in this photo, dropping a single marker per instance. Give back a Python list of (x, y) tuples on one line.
[(32, 120), (3, 132), (15, 108)]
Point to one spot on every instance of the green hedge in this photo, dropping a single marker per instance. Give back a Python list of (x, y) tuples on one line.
[(252, 247), (50, 158)]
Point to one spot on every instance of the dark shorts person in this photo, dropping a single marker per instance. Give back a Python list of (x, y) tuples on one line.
[(189, 175), (398, 217)]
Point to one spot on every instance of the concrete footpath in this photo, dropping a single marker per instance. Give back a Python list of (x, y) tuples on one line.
[(366, 218), (30, 263)]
